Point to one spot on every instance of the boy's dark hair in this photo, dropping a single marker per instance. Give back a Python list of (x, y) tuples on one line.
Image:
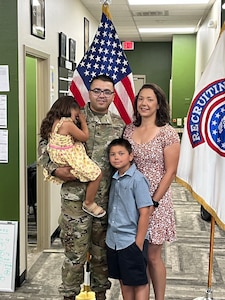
[(60, 108), (102, 77), (162, 114), (120, 142)]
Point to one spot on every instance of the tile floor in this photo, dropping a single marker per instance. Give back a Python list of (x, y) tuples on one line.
[(186, 261)]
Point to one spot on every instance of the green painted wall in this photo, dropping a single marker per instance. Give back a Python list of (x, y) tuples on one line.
[(9, 172), (153, 60), (165, 60), (31, 109), (183, 74)]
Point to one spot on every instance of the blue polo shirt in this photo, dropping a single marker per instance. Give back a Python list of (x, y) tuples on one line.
[(128, 193)]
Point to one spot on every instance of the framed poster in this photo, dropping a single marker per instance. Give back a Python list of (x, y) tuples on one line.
[(38, 18), (62, 45), (72, 50), (86, 35)]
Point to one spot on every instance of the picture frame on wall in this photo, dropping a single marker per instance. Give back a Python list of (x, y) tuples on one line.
[(86, 35), (62, 45), (72, 50), (37, 8)]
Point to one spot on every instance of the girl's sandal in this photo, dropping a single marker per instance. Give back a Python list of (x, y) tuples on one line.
[(94, 210)]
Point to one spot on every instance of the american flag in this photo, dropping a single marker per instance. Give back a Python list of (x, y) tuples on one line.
[(106, 56)]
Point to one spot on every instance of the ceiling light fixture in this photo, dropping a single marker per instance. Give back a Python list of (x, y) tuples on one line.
[(166, 2), (167, 30)]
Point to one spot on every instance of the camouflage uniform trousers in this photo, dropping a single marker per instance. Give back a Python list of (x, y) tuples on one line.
[(79, 234)]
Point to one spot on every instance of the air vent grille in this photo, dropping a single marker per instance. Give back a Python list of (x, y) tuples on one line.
[(151, 13)]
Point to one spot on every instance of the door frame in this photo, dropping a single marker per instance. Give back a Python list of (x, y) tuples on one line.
[(42, 106), (137, 78)]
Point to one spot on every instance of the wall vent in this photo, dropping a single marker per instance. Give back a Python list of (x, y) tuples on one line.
[(151, 13)]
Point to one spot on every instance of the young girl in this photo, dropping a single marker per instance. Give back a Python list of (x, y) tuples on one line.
[(65, 147)]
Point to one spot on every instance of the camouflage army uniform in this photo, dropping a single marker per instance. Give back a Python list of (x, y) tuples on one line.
[(80, 232)]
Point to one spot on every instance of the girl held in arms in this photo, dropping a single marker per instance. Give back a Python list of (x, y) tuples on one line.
[(66, 148)]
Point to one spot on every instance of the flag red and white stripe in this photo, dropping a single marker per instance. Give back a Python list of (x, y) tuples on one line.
[(201, 166), (106, 56)]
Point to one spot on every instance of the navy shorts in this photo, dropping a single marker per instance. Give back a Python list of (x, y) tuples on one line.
[(128, 265)]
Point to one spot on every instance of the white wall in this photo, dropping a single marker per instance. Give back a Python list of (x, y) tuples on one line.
[(61, 16), (206, 39)]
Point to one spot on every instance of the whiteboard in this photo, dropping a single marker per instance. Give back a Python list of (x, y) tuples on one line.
[(8, 245)]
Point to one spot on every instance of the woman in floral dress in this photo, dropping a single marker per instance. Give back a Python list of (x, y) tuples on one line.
[(156, 147)]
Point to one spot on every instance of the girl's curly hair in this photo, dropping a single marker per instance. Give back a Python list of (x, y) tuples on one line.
[(162, 115), (60, 108)]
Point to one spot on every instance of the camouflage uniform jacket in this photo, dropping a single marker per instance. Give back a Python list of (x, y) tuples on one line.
[(102, 130)]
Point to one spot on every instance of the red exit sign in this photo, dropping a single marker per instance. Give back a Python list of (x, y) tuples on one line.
[(128, 45)]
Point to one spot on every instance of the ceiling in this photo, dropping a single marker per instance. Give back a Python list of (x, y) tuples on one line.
[(128, 18)]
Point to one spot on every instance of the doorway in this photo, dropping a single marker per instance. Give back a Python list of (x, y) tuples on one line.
[(31, 137), (37, 95), (139, 80)]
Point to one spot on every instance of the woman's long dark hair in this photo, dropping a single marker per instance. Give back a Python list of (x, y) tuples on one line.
[(162, 114), (60, 108)]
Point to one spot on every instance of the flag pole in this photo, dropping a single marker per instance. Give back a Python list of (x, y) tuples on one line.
[(212, 231), (105, 2), (86, 292), (209, 292)]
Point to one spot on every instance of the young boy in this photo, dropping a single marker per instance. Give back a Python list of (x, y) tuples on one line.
[(130, 206)]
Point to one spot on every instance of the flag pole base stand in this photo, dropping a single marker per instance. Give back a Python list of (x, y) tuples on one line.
[(208, 296), (84, 295)]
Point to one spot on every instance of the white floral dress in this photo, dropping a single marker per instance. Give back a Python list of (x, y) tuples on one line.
[(64, 151), (149, 159)]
